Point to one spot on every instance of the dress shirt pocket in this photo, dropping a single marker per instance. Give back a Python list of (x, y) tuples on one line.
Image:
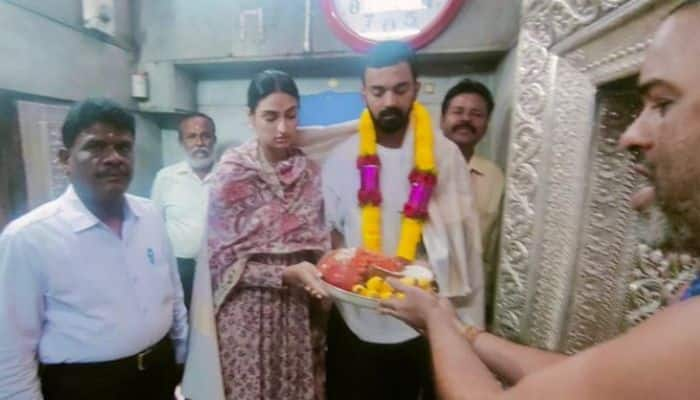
[(158, 274)]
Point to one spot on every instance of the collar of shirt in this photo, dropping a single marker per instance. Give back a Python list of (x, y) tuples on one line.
[(476, 167), (184, 168), (80, 218)]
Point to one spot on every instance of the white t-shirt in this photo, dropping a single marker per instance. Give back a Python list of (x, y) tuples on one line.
[(341, 181)]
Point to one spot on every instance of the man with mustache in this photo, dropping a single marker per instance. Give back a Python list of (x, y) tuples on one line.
[(659, 358), (180, 192), (466, 110), (90, 299), (371, 356)]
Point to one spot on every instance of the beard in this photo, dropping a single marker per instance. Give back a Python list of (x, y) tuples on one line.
[(662, 228), (674, 215), (201, 158), (391, 120)]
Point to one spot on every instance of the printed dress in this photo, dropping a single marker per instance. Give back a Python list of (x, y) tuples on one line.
[(263, 219)]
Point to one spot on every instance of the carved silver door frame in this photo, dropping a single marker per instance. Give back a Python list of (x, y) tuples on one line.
[(567, 256)]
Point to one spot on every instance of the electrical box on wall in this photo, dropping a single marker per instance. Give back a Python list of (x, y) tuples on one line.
[(98, 15)]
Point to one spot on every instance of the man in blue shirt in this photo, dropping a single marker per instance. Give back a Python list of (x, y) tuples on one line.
[(90, 299)]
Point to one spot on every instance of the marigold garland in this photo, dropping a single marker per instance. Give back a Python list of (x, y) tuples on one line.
[(423, 178)]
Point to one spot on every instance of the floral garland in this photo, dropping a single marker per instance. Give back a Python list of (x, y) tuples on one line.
[(423, 178)]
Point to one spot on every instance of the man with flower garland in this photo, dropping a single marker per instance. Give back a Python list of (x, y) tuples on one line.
[(398, 188)]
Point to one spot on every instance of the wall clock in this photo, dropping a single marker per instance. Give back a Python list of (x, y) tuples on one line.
[(361, 23)]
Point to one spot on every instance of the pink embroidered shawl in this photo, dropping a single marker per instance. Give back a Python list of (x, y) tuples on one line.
[(242, 167), (255, 208)]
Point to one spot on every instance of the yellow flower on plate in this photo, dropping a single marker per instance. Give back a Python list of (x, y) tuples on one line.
[(371, 293), (385, 295), (424, 283), (375, 283), (408, 281), (386, 287), (359, 289)]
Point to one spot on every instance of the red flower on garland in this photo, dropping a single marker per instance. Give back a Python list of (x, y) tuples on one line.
[(422, 184), (369, 193)]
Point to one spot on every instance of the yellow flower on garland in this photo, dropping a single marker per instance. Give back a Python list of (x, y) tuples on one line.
[(423, 179), (424, 160), (411, 230), (368, 137), (371, 228)]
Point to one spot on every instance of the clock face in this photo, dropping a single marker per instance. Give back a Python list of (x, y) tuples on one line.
[(361, 23)]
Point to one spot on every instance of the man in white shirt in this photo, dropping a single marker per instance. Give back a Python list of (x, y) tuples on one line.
[(90, 299), (372, 356), (180, 192), (466, 109)]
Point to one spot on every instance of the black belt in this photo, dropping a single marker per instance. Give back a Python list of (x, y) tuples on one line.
[(150, 374), (160, 353)]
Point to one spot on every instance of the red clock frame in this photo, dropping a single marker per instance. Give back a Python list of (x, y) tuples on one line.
[(361, 44)]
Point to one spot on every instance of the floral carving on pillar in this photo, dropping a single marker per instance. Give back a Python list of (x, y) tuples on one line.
[(573, 271), (543, 24)]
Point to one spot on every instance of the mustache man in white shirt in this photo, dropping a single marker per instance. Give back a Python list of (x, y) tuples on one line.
[(90, 299)]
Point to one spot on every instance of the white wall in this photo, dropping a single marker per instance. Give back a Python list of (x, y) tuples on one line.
[(203, 31), (46, 53)]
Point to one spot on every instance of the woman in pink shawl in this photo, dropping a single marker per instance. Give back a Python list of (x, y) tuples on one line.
[(266, 232)]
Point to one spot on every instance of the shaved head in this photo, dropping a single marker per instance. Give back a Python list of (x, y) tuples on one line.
[(684, 5)]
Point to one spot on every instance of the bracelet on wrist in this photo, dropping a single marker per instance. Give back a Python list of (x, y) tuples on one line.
[(470, 332)]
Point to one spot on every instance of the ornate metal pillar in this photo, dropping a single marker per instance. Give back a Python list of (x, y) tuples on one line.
[(571, 269)]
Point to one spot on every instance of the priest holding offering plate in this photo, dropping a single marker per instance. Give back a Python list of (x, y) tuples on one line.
[(399, 202)]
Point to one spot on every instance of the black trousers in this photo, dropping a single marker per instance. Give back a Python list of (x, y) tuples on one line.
[(359, 370), (154, 377), (185, 266)]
